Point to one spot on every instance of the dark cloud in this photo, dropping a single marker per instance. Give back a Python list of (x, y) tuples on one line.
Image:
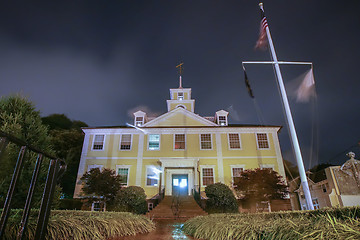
[(95, 61)]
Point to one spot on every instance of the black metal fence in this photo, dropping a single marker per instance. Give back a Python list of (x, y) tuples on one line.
[(56, 169)]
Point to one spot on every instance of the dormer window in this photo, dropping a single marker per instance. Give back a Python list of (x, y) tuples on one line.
[(222, 120), (180, 96), (139, 121)]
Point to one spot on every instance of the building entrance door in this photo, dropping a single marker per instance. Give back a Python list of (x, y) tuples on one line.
[(180, 184)]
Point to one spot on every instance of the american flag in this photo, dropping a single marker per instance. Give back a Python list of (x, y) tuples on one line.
[(262, 41)]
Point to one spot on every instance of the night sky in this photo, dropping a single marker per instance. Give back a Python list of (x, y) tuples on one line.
[(99, 61)]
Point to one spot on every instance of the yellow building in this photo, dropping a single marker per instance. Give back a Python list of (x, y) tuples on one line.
[(180, 150)]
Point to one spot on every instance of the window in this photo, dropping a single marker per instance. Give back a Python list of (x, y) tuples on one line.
[(205, 141), (152, 176), (222, 120), (262, 140), (94, 166), (139, 121), (125, 143), (207, 176), (234, 141), (316, 203), (236, 173), (179, 141), (323, 186), (154, 142), (124, 175), (180, 96), (267, 166), (98, 142)]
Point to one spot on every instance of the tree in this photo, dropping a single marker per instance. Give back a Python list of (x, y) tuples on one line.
[(67, 140), (220, 199), (259, 185), (103, 184), (131, 199), (19, 117)]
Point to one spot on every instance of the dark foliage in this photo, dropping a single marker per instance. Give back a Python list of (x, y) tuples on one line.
[(131, 199), (104, 184), (261, 185), (220, 199), (66, 139), (70, 204)]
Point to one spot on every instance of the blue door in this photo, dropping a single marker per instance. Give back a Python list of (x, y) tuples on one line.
[(179, 184)]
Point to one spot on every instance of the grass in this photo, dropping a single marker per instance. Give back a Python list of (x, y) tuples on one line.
[(342, 223), (82, 225)]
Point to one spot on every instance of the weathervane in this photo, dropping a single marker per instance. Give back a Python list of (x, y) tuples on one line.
[(180, 69)]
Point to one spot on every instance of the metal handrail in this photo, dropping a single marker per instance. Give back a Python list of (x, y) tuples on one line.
[(56, 168)]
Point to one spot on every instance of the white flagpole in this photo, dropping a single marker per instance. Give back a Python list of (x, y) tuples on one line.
[(290, 121)]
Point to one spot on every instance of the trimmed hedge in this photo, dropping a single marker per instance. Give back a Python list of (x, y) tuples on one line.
[(220, 199), (334, 223), (130, 199)]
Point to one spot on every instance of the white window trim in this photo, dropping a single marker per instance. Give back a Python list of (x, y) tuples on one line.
[(146, 174), (239, 142), (181, 105), (264, 166), (131, 142), (183, 96), (201, 173), (148, 141), (211, 141), (174, 142), (124, 166), (91, 166), (257, 142), (316, 204), (236, 166), (93, 140)]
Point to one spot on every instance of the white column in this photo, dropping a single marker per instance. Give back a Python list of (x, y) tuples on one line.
[(219, 158)]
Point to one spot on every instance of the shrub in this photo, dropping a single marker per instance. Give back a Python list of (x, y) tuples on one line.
[(338, 223), (81, 225), (70, 204), (220, 199), (130, 199)]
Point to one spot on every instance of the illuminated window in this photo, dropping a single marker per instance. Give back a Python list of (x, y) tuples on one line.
[(236, 173), (154, 142), (152, 176), (222, 120), (180, 96), (205, 141), (262, 140), (139, 121), (124, 175), (179, 141), (98, 142), (125, 143), (234, 140), (207, 176)]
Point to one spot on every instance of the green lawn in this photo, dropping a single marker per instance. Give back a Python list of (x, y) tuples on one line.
[(339, 223)]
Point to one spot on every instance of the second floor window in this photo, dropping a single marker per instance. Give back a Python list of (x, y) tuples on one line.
[(98, 142), (154, 142), (262, 140), (179, 141), (125, 143), (234, 141), (205, 141)]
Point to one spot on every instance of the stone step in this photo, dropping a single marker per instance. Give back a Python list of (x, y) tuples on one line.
[(188, 208)]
